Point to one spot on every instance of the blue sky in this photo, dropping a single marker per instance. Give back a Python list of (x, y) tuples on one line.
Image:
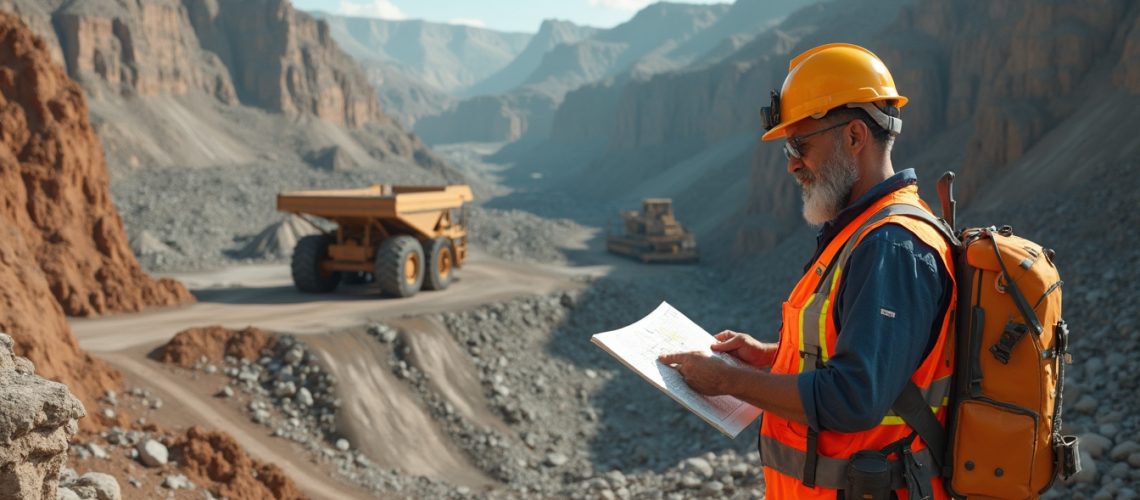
[(503, 15)]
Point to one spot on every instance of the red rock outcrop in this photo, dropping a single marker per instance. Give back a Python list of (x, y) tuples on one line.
[(53, 187), (214, 460), (35, 321), (214, 343), (62, 245)]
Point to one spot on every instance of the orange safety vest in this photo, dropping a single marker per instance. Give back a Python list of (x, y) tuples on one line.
[(807, 339)]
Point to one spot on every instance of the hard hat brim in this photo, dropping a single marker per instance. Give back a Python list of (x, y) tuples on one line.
[(779, 131)]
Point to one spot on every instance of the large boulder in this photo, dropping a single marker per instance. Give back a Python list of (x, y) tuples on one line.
[(37, 418)]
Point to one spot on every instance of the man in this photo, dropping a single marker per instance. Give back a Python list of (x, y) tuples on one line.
[(870, 315)]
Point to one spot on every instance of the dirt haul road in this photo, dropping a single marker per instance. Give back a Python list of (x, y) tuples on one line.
[(263, 296)]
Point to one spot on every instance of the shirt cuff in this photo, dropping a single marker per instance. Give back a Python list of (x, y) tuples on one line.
[(806, 383)]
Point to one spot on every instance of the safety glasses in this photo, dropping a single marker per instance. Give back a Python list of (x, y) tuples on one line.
[(793, 147)]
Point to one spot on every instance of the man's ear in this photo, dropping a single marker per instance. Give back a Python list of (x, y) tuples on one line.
[(857, 136)]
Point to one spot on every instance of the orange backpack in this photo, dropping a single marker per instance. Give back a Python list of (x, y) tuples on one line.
[(1003, 434)]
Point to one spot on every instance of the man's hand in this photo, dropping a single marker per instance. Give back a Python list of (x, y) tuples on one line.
[(745, 348), (702, 372)]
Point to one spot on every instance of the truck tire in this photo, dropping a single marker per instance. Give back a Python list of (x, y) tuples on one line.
[(400, 266), (440, 264), (307, 257)]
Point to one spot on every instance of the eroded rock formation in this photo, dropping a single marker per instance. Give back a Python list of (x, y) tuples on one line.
[(37, 419), (54, 191)]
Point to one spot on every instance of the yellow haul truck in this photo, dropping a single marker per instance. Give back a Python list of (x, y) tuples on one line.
[(406, 237)]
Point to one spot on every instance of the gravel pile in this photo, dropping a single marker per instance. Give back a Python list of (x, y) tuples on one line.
[(207, 216), (289, 392), (521, 236), (581, 425), (286, 390)]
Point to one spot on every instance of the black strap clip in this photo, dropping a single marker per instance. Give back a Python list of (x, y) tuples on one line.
[(918, 476), (1061, 332), (815, 358), (1009, 338)]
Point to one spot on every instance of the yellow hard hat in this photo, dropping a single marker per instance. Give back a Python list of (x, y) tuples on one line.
[(830, 76)]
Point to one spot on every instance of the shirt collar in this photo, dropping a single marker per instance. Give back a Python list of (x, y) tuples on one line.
[(889, 185)]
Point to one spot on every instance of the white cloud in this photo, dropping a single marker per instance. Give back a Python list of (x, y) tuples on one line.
[(626, 5), (383, 9), (468, 21)]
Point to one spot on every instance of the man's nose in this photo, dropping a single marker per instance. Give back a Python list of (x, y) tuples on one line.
[(794, 164)]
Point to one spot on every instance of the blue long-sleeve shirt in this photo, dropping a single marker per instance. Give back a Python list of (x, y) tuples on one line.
[(876, 352)]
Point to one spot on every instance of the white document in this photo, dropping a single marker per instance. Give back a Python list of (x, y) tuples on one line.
[(667, 331)]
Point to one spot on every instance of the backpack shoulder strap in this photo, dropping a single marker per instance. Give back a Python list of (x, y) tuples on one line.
[(915, 411), (911, 405)]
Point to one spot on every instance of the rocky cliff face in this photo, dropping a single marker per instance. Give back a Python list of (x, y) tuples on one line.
[(987, 82), (446, 57), (490, 118), (659, 38), (283, 60), (196, 83), (1011, 69), (146, 48), (261, 53), (551, 34), (39, 419)]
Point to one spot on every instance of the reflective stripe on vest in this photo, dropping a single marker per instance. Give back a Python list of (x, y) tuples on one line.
[(830, 472), (807, 342)]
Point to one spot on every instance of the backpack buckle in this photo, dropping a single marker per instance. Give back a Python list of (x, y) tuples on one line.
[(1009, 338), (1061, 340)]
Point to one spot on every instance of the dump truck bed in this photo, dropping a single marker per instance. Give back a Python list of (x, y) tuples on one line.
[(379, 201)]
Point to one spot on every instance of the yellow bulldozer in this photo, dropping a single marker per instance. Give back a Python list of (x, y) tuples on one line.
[(654, 235), (405, 237)]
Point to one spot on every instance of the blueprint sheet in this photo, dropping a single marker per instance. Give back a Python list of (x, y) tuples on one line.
[(667, 331)]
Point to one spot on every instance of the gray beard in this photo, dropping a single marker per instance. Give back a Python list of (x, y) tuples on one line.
[(828, 193)]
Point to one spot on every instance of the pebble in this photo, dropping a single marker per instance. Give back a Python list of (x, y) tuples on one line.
[(1087, 404), (690, 481), (1109, 429), (556, 459), (1120, 470), (304, 398), (712, 488), (294, 355), (152, 453), (342, 444), (226, 392), (1095, 444), (98, 451), (699, 466), (177, 482), (285, 389), (97, 485), (1123, 450)]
